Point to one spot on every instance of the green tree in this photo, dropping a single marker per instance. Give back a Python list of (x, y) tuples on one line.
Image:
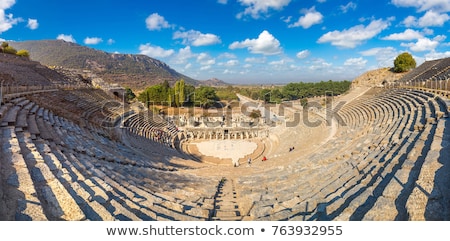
[(170, 97), (265, 95), (129, 94), (189, 94), (404, 62), (276, 95), (155, 94), (227, 93), (205, 96), (304, 102), (255, 114), (254, 95), (144, 97), (182, 92), (166, 85), (176, 90)]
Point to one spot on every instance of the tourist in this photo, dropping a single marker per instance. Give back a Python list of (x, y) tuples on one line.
[(236, 163), (264, 158), (249, 161)]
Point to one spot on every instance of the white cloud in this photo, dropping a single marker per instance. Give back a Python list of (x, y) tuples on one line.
[(232, 62), (196, 38), (156, 22), (429, 19), (384, 56), (357, 63), (286, 19), (256, 8), (350, 38), (410, 21), (265, 44), (205, 67), (432, 18), (227, 56), (303, 54), (205, 59), (255, 60), (436, 55), (155, 51), (67, 38), (424, 5), (227, 71), (110, 41), (408, 34), (348, 6), (222, 1), (93, 40), (319, 64), (424, 44), (427, 31), (278, 62), (187, 66), (375, 51), (310, 18), (7, 21), (32, 24), (183, 55), (5, 4)]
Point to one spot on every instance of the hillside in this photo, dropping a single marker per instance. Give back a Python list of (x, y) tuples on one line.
[(376, 77), (15, 70), (134, 71)]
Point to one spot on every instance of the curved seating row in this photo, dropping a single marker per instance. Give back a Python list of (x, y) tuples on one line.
[(374, 168), (386, 161), (54, 169)]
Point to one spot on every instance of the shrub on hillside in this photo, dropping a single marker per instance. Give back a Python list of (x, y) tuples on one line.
[(23, 53), (7, 49)]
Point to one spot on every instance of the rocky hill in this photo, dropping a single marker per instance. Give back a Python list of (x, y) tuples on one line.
[(377, 77), (214, 82), (15, 70), (134, 71)]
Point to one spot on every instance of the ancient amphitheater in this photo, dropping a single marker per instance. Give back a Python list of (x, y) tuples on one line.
[(378, 153)]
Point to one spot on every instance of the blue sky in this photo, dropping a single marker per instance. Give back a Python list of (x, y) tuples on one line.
[(244, 41)]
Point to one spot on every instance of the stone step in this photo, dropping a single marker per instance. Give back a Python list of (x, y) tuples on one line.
[(71, 179), (10, 117), (425, 201), (59, 204), (4, 109), (20, 190)]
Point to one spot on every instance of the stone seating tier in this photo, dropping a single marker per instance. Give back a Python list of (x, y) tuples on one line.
[(385, 160)]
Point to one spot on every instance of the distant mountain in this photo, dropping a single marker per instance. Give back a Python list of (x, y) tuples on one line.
[(214, 83), (134, 71)]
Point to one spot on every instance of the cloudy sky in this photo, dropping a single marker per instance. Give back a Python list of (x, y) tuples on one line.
[(244, 41)]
